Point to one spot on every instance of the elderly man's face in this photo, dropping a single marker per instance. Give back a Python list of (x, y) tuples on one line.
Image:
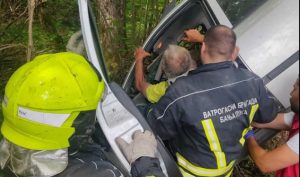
[(295, 98)]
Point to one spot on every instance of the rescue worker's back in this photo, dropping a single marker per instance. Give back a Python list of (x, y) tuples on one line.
[(206, 115)]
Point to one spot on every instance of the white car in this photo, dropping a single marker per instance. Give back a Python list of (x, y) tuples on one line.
[(268, 37)]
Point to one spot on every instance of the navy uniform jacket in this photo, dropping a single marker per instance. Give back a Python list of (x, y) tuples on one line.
[(206, 114)]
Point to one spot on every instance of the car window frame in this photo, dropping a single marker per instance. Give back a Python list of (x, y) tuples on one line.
[(219, 13), (165, 21)]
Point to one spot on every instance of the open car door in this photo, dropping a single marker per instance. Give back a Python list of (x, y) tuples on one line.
[(116, 113)]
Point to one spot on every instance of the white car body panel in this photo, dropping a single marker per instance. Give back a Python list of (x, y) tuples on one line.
[(282, 85), (267, 38)]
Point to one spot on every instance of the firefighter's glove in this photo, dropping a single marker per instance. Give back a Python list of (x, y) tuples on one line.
[(143, 145), (250, 134)]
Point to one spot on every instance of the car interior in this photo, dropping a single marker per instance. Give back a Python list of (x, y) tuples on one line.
[(172, 32)]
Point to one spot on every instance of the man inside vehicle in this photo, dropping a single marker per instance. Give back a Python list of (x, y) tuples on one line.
[(206, 114), (176, 62), (49, 118), (284, 159)]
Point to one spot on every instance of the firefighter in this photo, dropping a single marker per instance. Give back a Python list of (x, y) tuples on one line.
[(49, 118), (205, 115)]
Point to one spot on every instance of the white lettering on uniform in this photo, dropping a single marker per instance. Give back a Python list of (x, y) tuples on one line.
[(226, 113), (246, 103), (219, 111), (204, 115), (232, 116)]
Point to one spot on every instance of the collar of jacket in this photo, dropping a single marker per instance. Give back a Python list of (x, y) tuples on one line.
[(213, 67)]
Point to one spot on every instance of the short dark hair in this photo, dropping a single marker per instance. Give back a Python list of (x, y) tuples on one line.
[(220, 41)]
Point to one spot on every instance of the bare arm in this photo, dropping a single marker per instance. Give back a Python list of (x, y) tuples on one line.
[(193, 35), (140, 83), (274, 160), (278, 123)]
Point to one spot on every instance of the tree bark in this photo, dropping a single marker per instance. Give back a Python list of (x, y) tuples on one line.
[(31, 7), (111, 15), (112, 19)]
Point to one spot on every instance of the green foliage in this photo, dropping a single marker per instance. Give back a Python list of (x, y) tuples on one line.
[(5, 174), (140, 18)]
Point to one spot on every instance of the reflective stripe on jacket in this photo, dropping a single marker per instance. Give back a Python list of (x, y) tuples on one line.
[(205, 115)]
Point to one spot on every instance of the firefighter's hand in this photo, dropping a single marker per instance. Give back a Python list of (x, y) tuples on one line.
[(193, 35), (143, 145), (140, 54)]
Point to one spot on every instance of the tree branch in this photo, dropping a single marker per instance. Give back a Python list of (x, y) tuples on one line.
[(31, 7), (8, 46)]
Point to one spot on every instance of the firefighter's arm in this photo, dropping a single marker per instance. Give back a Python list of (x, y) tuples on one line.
[(140, 153), (193, 35), (146, 167), (270, 161), (140, 82), (268, 108)]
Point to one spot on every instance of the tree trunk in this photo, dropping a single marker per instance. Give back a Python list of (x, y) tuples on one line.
[(31, 7), (111, 15), (112, 20)]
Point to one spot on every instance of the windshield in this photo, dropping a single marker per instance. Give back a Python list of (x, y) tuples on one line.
[(238, 10)]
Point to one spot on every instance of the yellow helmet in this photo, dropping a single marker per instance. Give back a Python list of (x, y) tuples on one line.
[(43, 98)]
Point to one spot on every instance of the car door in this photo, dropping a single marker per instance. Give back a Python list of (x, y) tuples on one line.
[(116, 113)]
